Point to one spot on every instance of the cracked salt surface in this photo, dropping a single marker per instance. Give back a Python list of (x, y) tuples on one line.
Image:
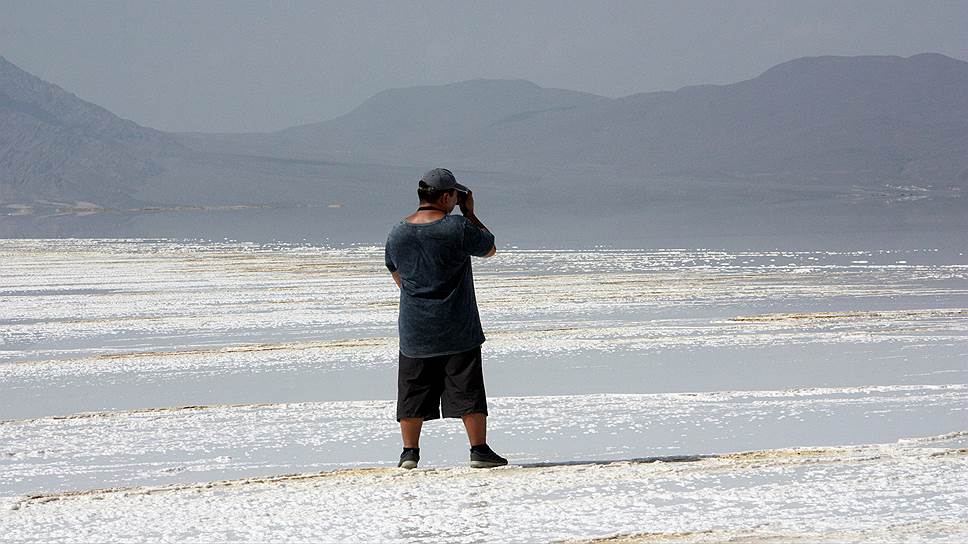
[(591, 355), (823, 493)]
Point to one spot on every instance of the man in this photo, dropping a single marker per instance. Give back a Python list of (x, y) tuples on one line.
[(428, 254)]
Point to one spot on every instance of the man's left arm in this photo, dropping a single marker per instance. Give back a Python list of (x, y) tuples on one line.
[(477, 223), (478, 240)]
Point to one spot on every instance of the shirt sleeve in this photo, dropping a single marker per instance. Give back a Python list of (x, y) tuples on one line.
[(388, 259), (477, 241)]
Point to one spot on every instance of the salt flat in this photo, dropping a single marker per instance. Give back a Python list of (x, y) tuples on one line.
[(147, 364)]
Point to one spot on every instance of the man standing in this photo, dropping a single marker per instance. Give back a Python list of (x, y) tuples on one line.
[(429, 256)]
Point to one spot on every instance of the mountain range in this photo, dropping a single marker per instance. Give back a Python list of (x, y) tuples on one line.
[(878, 117), (865, 121)]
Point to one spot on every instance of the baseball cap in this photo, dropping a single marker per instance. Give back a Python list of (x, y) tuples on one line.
[(442, 179)]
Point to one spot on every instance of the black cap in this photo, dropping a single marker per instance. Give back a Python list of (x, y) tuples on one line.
[(442, 179)]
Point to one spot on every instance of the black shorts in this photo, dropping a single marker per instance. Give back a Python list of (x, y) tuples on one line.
[(452, 384)]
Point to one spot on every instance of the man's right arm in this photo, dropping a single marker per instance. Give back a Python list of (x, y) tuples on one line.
[(391, 266)]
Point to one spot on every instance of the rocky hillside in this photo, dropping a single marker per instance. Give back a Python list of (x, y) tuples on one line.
[(55, 146)]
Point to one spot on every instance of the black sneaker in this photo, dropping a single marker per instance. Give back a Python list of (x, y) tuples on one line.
[(409, 458), (484, 457)]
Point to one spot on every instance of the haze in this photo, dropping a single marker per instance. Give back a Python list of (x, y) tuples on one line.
[(253, 66)]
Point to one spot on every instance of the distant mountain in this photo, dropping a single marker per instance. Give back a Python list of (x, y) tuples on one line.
[(403, 126), (401, 122), (55, 146), (870, 117)]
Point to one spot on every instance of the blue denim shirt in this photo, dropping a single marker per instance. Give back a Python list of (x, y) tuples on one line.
[(438, 308)]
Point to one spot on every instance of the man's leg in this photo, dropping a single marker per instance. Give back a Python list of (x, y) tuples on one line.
[(482, 456), (410, 429), (476, 425), (419, 385), (464, 397)]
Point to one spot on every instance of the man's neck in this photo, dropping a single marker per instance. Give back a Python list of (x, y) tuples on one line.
[(429, 207), (426, 215)]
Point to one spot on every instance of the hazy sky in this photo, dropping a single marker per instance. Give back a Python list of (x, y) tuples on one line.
[(256, 66)]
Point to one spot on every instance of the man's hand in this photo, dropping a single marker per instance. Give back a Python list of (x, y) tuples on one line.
[(396, 278), (467, 204)]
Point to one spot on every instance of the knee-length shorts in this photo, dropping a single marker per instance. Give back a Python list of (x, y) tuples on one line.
[(452, 385)]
